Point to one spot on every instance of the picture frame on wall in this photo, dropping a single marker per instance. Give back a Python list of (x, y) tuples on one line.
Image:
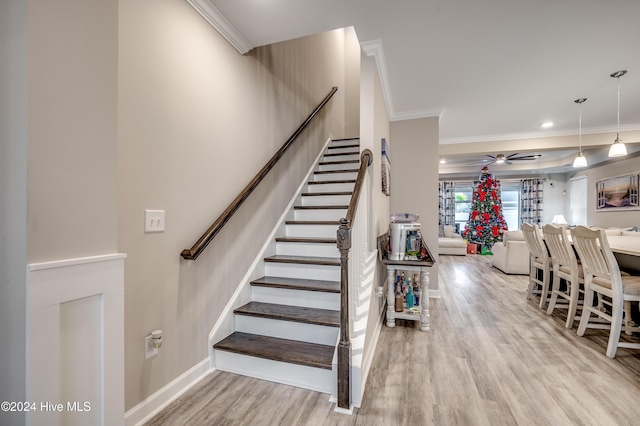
[(386, 168), (617, 193)]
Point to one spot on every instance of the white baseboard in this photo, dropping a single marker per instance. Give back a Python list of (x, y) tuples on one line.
[(153, 404)]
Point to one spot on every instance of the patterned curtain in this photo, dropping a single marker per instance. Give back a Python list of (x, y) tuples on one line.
[(446, 203), (531, 209)]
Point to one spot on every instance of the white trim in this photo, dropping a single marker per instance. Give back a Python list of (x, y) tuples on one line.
[(374, 48), (53, 290), (213, 16), (74, 262), (160, 399)]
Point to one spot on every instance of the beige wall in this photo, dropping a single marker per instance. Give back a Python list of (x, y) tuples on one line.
[(196, 122), (604, 219), (374, 125), (414, 179), (72, 129), (13, 203)]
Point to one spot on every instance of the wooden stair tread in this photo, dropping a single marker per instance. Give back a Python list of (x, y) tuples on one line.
[(298, 284), (290, 313), (283, 350), (323, 194), (355, 145), (328, 207), (309, 240), (328, 163), (306, 260), (326, 182), (337, 154), (312, 222), (328, 172)]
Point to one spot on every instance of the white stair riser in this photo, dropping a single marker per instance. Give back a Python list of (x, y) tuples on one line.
[(342, 157), (320, 214), (324, 177), (305, 249), (311, 333), (308, 299), (345, 149), (326, 200), (330, 187), (345, 142), (315, 379), (297, 270), (338, 166), (329, 231)]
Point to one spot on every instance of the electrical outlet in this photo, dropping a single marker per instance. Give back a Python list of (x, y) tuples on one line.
[(154, 221), (149, 351)]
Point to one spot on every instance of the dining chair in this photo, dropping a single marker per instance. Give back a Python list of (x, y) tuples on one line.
[(565, 266), (602, 277), (539, 263)]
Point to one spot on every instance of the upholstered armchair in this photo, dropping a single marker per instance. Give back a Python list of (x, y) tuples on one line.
[(511, 255)]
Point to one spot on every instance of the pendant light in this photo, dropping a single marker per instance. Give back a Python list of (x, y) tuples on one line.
[(618, 149), (580, 160)]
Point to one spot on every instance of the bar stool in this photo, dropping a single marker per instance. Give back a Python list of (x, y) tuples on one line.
[(540, 263), (602, 277), (565, 266)]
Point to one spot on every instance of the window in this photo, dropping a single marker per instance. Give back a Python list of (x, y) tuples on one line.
[(463, 198), (510, 192), (578, 191)]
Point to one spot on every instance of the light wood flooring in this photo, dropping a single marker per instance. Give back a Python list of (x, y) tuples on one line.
[(491, 358)]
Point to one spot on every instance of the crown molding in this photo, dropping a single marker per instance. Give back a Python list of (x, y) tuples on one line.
[(374, 48), (539, 135), (213, 16)]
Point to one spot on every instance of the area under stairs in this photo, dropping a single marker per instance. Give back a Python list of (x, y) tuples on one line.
[(289, 331)]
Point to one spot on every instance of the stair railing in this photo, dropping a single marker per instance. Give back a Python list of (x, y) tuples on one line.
[(344, 246), (207, 237)]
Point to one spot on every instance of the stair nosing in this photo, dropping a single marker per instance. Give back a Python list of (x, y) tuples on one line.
[(307, 240), (304, 260), (323, 286), (326, 194), (312, 222), (298, 314), (321, 207), (326, 182), (329, 172)]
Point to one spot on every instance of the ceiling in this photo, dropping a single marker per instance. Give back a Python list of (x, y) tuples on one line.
[(492, 70)]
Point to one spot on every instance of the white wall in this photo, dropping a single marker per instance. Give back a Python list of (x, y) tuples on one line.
[(13, 203)]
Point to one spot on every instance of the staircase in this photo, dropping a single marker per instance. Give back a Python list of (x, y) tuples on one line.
[(289, 330)]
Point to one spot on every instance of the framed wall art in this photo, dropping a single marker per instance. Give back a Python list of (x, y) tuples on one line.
[(617, 193), (386, 168)]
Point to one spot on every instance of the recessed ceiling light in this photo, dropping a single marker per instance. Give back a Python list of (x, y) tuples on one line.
[(443, 161), (547, 125)]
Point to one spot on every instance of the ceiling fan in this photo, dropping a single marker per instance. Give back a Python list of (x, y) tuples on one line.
[(507, 159)]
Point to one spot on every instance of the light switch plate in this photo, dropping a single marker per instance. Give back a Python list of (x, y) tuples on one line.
[(154, 221)]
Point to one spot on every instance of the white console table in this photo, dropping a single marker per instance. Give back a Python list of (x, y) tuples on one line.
[(421, 268)]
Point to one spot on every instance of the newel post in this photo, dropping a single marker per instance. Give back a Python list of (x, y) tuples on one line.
[(344, 347)]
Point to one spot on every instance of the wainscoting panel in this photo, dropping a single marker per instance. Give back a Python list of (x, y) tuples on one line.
[(75, 341)]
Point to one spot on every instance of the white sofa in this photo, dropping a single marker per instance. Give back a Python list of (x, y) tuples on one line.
[(451, 243), (511, 255)]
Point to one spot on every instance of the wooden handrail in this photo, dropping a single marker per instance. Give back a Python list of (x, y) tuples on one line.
[(344, 245), (205, 239)]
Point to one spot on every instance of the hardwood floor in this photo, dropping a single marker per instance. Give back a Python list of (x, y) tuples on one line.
[(491, 358)]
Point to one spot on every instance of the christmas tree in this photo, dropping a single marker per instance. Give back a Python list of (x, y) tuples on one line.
[(486, 222)]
